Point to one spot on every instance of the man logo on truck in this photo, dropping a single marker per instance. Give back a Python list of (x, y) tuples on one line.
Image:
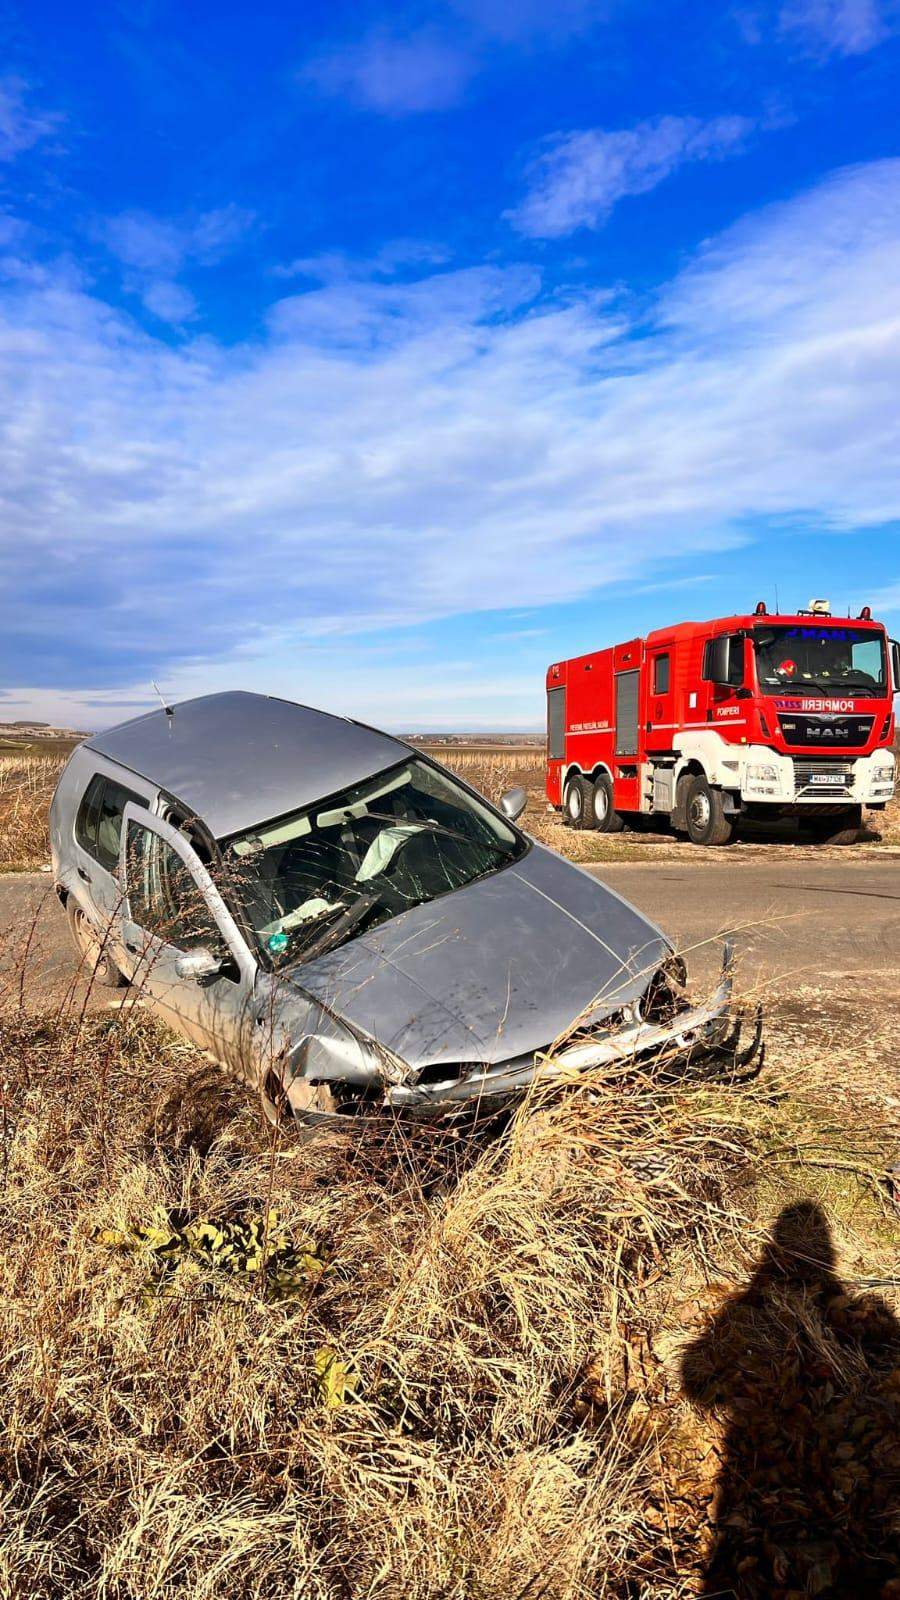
[(692, 725)]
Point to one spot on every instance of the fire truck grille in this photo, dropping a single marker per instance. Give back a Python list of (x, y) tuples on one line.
[(826, 732), (823, 777)]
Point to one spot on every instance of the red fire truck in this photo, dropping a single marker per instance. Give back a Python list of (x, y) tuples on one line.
[(706, 722)]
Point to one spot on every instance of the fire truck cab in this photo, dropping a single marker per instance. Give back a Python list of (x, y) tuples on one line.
[(705, 722)]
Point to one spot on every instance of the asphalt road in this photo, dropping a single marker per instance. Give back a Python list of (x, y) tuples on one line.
[(810, 920), (806, 921)]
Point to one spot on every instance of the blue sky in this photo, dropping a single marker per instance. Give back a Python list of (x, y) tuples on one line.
[(378, 355)]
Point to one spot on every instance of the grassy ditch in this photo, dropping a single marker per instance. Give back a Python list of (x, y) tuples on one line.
[(418, 1362)]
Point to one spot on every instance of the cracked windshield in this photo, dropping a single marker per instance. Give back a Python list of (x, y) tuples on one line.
[(317, 878), (820, 660)]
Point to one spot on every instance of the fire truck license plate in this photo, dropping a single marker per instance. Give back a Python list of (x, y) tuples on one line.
[(831, 780)]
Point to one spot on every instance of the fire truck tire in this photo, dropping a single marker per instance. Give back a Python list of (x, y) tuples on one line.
[(578, 801), (606, 819), (842, 829), (705, 814)]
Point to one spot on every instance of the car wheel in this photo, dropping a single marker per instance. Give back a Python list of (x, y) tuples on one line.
[(705, 814), (578, 802), (841, 829), (606, 819), (95, 958)]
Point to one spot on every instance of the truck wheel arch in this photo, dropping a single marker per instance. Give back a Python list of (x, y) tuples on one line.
[(592, 773)]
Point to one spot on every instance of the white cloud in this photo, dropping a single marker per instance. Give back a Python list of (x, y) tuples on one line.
[(20, 127), (839, 27), (393, 74), (169, 301), (154, 250), (393, 454), (335, 266), (163, 245), (578, 179), (149, 243)]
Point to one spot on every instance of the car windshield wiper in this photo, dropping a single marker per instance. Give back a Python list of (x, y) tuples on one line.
[(341, 922)]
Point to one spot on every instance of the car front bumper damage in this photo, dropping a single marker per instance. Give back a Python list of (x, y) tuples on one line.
[(709, 1034)]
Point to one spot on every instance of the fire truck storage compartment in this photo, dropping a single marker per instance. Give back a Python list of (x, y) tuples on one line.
[(664, 789), (556, 724), (627, 684)]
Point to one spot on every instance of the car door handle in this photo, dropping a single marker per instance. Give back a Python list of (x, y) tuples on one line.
[(85, 875)]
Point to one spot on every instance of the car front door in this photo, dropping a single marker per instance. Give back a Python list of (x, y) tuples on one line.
[(172, 913)]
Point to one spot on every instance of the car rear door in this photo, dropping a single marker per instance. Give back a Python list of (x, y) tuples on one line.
[(96, 835), (171, 906)]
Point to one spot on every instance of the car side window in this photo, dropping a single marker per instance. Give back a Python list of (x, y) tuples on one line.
[(163, 897), (86, 820), (98, 824)]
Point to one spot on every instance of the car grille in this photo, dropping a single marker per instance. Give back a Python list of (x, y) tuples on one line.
[(823, 777), (827, 732)]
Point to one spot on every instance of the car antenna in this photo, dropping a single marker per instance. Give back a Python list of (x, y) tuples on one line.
[(169, 710)]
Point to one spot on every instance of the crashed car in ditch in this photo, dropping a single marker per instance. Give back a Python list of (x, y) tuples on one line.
[(341, 921)]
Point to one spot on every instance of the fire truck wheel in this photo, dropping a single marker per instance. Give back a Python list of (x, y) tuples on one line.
[(606, 820), (841, 829), (579, 801), (705, 814)]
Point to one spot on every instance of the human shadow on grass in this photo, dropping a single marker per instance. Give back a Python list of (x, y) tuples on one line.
[(806, 1377)]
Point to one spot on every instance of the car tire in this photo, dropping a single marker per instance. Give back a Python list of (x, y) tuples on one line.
[(578, 802), (705, 817), (606, 819), (98, 964), (842, 829)]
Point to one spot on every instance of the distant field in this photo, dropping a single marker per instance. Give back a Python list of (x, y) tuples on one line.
[(62, 746), (29, 771), (27, 782), (435, 748)]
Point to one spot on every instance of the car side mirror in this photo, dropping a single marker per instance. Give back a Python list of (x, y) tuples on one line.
[(513, 803), (197, 964)]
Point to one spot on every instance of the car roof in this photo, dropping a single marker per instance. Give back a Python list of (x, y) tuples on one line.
[(236, 760)]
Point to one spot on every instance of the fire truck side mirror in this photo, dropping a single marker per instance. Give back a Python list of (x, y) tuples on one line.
[(895, 663), (723, 660)]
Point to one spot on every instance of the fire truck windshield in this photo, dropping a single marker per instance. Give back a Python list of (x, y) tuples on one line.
[(820, 659)]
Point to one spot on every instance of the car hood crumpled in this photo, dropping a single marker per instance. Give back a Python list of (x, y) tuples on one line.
[(494, 970)]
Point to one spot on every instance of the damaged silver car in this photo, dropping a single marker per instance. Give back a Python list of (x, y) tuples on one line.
[(335, 917)]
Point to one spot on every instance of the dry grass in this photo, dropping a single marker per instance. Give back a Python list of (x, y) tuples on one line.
[(501, 1303), (27, 783), (512, 1306), (491, 774)]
